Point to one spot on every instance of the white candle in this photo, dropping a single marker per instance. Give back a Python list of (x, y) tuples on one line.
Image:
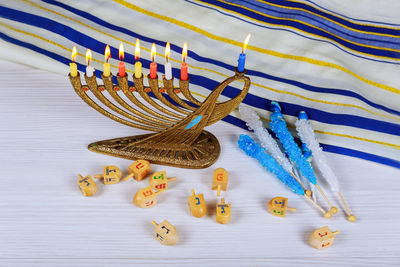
[(89, 71), (168, 71)]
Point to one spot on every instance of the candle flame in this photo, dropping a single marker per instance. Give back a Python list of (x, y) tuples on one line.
[(137, 50), (121, 52), (107, 53), (153, 52), (167, 51), (88, 57), (184, 52), (73, 54), (246, 41)]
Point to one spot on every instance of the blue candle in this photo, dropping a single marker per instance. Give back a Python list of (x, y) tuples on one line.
[(241, 61), (242, 56)]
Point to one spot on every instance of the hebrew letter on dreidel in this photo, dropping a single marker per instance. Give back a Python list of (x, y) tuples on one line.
[(165, 233), (223, 212), (220, 180), (197, 205), (159, 180)]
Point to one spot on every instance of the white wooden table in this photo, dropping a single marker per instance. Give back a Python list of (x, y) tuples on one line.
[(45, 221)]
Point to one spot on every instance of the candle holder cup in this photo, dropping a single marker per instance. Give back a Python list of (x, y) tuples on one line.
[(178, 138)]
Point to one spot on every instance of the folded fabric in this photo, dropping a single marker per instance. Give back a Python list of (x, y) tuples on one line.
[(337, 61)]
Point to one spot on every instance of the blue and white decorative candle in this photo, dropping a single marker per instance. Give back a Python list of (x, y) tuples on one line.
[(242, 56)]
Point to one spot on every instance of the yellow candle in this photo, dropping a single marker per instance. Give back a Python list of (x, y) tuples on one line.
[(106, 65), (74, 69), (138, 69), (138, 64), (106, 69)]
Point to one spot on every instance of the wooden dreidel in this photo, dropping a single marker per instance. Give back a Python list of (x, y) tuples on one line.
[(146, 197), (220, 180), (278, 206), (138, 170), (160, 181), (223, 212), (322, 238), (165, 233), (197, 205), (111, 175), (87, 185)]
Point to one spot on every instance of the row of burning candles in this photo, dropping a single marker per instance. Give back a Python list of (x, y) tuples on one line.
[(138, 64)]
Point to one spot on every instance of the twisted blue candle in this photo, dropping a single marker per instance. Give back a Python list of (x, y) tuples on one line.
[(278, 126), (253, 149)]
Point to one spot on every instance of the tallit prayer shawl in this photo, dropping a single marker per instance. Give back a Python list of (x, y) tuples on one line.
[(336, 60)]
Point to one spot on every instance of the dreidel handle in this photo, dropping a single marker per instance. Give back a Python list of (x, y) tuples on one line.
[(128, 176), (219, 190), (336, 232), (80, 176), (98, 176), (291, 209), (154, 223), (222, 201), (193, 193), (172, 179), (158, 192)]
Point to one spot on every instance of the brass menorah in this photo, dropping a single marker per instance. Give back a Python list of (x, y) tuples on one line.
[(178, 139)]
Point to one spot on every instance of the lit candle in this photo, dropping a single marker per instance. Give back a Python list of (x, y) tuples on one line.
[(168, 67), (121, 65), (89, 69), (184, 67), (153, 65), (72, 65), (242, 56), (106, 65), (138, 64)]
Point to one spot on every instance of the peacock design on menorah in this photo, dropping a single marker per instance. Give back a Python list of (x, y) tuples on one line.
[(178, 138)]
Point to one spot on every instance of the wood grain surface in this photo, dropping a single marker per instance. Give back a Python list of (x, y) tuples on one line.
[(45, 221)]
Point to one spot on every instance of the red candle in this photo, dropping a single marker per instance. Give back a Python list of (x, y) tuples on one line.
[(184, 67), (121, 69), (184, 71), (121, 65), (153, 65)]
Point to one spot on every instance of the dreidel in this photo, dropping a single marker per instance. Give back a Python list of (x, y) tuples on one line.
[(146, 197), (87, 185), (111, 175), (322, 238), (278, 206), (165, 233), (220, 180), (223, 212), (138, 170), (197, 205), (159, 180)]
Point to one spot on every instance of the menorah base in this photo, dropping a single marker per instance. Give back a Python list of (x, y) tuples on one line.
[(201, 154)]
